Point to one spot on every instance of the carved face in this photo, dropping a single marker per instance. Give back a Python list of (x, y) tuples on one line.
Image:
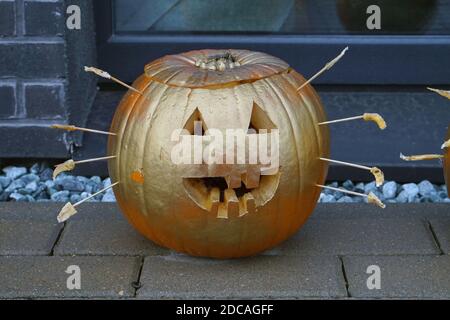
[(236, 169), (202, 203)]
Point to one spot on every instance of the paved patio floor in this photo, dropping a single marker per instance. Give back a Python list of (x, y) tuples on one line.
[(341, 249)]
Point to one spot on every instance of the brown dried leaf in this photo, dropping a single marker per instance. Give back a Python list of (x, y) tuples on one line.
[(66, 212), (372, 198), (421, 157), (379, 176), (375, 117), (441, 92), (98, 72), (65, 166)]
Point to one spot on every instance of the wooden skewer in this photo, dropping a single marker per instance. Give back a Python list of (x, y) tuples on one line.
[(94, 159), (70, 127), (325, 68), (69, 209), (421, 157), (371, 197), (106, 75), (375, 117), (70, 164), (377, 173)]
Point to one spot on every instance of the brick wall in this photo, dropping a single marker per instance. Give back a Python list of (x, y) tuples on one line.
[(40, 81)]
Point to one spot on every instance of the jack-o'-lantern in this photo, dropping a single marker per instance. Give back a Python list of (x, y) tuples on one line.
[(222, 210), (218, 208)]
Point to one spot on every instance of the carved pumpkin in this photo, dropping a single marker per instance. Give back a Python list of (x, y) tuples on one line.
[(218, 210)]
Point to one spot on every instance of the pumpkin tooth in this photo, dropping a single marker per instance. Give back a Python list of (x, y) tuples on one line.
[(247, 204), (213, 200), (233, 180), (222, 211), (242, 207), (251, 178), (231, 202)]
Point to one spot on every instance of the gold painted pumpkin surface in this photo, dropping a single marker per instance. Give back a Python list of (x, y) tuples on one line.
[(218, 210)]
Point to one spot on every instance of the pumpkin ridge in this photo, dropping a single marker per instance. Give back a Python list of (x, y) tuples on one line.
[(118, 148), (122, 130), (315, 128), (122, 174), (296, 139), (144, 151), (223, 85)]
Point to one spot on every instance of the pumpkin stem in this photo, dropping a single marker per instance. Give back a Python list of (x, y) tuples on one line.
[(70, 127), (421, 157), (106, 75), (218, 62), (371, 197), (325, 68), (375, 117), (377, 173), (70, 164), (69, 209)]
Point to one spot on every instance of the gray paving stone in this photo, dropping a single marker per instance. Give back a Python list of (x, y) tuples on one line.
[(25, 231), (441, 228), (392, 210), (179, 276), (46, 277), (27, 237), (401, 276), (114, 236), (360, 236), (29, 210)]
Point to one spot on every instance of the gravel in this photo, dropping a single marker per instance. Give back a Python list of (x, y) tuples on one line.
[(36, 184), (390, 192)]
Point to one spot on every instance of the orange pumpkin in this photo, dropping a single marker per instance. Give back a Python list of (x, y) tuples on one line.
[(219, 210)]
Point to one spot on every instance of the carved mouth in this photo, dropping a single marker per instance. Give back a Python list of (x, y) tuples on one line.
[(234, 195)]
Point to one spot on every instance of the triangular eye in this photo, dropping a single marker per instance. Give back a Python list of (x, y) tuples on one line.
[(259, 120), (195, 124)]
